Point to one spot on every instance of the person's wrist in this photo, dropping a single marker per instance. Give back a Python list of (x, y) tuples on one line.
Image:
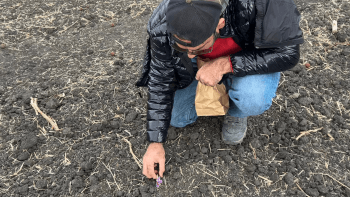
[(226, 65), (156, 144)]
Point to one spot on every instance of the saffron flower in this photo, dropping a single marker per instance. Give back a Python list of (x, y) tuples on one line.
[(159, 181)]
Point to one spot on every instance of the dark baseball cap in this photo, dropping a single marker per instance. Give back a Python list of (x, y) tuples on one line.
[(193, 20)]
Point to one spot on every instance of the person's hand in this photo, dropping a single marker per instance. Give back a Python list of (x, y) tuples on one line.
[(211, 72), (155, 154)]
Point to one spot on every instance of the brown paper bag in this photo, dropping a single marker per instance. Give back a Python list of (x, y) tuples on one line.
[(211, 101)]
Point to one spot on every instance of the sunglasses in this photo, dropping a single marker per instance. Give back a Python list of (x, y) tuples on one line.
[(197, 52)]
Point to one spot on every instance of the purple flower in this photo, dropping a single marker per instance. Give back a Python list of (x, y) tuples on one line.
[(159, 181)]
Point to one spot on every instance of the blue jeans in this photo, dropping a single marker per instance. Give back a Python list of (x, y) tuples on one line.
[(249, 96)]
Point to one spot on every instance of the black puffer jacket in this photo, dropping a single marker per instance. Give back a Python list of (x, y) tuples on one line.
[(267, 31)]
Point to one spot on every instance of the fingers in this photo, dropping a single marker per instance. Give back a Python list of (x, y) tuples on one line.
[(145, 170), (148, 169), (161, 167), (206, 82), (152, 174), (212, 84)]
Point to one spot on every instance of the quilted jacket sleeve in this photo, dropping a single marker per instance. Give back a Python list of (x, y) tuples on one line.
[(259, 61), (161, 89)]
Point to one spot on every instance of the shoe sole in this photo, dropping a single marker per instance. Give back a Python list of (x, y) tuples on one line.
[(234, 143)]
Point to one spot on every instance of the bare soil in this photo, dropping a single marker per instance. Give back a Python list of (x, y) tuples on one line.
[(81, 59)]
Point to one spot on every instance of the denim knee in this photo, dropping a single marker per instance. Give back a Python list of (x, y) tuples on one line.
[(251, 95), (184, 118), (255, 107), (177, 124), (249, 104)]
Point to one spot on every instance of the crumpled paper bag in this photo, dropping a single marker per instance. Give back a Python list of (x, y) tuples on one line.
[(211, 101)]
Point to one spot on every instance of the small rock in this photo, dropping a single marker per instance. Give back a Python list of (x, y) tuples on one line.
[(346, 52), (282, 155), (41, 184), (93, 180), (94, 188), (144, 188), (281, 127), (90, 51), (23, 156), (47, 161), (96, 127), (136, 192), (305, 101), (194, 136), (203, 188), (144, 194), (49, 30), (177, 175), (29, 141), (347, 192), (87, 166), (3, 46), (2, 90), (115, 124), (52, 104), (120, 193), (195, 193), (204, 150), (152, 190), (240, 150), (255, 143), (303, 122), (341, 37), (77, 183), (318, 178), (326, 130), (312, 192), (29, 163), (339, 119), (251, 168), (172, 134), (305, 139), (227, 158), (66, 131), (275, 139), (322, 189), (23, 189), (297, 68), (26, 97), (266, 131), (131, 116), (289, 178), (257, 182), (119, 63), (274, 177)]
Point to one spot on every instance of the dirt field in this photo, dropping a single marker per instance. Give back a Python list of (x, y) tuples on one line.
[(81, 58)]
